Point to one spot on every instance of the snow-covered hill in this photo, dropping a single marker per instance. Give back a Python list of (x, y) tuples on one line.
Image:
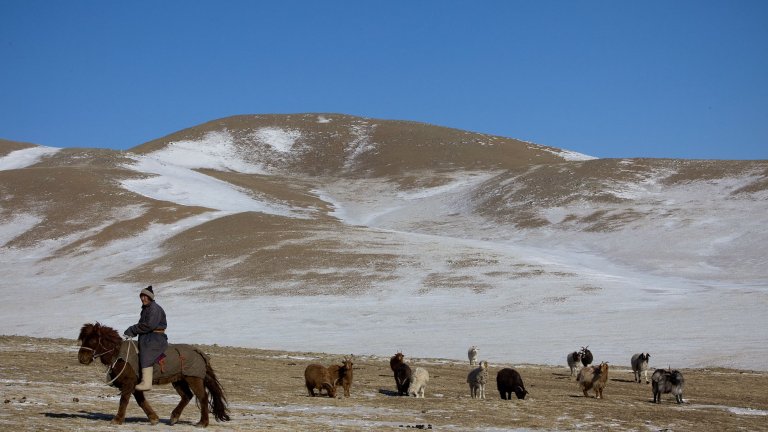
[(339, 234)]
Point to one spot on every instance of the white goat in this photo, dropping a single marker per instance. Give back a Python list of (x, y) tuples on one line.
[(477, 379), (419, 381), (640, 364), (574, 360), (472, 354)]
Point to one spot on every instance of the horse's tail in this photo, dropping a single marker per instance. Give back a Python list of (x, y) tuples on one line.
[(217, 399)]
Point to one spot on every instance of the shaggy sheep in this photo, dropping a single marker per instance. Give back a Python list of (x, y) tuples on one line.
[(419, 381), (472, 354), (317, 377), (402, 373), (509, 380), (342, 374), (667, 381), (477, 379), (586, 356), (573, 360), (639, 364), (593, 377)]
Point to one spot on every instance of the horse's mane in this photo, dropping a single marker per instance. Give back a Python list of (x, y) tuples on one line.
[(108, 334)]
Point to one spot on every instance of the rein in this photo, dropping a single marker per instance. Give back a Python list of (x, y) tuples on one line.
[(109, 369), (125, 363)]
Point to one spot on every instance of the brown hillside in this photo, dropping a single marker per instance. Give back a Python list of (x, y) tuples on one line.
[(398, 146), (7, 146)]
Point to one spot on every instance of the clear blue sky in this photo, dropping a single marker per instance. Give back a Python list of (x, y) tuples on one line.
[(682, 79)]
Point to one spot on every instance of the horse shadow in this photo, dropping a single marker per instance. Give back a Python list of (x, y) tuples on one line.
[(81, 415), (105, 417)]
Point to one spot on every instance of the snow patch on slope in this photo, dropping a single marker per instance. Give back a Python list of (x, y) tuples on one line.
[(216, 150), (185, 186), (567, 154), (280, 140), (17, 225), (360, 144), (25, 157)]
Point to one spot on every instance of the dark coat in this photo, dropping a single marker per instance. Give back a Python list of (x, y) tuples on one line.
[(151, 343)]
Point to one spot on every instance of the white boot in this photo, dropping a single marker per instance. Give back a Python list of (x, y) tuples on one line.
[(146, 379)]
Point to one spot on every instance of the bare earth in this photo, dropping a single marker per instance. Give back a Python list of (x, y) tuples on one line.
[(43, 387)]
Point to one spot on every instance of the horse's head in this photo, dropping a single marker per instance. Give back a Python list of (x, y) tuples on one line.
[(95, 341)]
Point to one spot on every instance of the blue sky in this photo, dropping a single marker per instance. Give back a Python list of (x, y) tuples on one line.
[(681, 79)]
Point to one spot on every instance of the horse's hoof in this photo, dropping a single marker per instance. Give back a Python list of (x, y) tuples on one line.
[(173, 421), (116, 421), (154, 421), (201, 424)]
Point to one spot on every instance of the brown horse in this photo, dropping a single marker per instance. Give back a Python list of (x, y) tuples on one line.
[(99, 341)]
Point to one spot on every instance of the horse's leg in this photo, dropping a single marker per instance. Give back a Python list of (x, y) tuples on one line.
[(144, 404), (198, 388), (182, 388), (125, 396)]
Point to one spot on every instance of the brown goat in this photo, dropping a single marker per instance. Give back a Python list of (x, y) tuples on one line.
[(317, 377), (342, 374), (593, 377)]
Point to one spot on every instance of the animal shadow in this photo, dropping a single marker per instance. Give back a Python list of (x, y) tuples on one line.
[(386, 392), (94, 416), (80, 414), (562, 375), (622, 380), (104, 417)]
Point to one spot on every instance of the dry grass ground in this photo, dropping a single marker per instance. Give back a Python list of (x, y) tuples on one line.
[(43, 387)]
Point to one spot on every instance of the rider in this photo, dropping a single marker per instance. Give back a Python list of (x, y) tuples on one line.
[(152, 339)]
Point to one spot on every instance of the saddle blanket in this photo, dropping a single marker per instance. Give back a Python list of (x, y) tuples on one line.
[(187, 359)]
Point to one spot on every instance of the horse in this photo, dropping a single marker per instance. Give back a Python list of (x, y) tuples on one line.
[(102, 342)]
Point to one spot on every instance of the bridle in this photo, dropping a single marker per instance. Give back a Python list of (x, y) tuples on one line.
[(109, 369), (95, 356)]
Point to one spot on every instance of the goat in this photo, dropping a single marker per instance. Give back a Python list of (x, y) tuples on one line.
[(509, 380), (342, 374), (586, 356), (573, 360), (472, 354), (419, 381), (402, 373), (639, 364), (667, 381), (593, 377), (317, 377), (477, 379), (395, 360)]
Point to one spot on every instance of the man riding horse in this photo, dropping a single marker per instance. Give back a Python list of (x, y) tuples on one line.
[(152, 339)]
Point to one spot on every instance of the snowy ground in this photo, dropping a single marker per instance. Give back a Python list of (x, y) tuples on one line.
[(607, 291), (265, 392)]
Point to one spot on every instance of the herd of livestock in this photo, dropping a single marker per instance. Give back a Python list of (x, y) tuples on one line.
[(413, 382), (191, 374)]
